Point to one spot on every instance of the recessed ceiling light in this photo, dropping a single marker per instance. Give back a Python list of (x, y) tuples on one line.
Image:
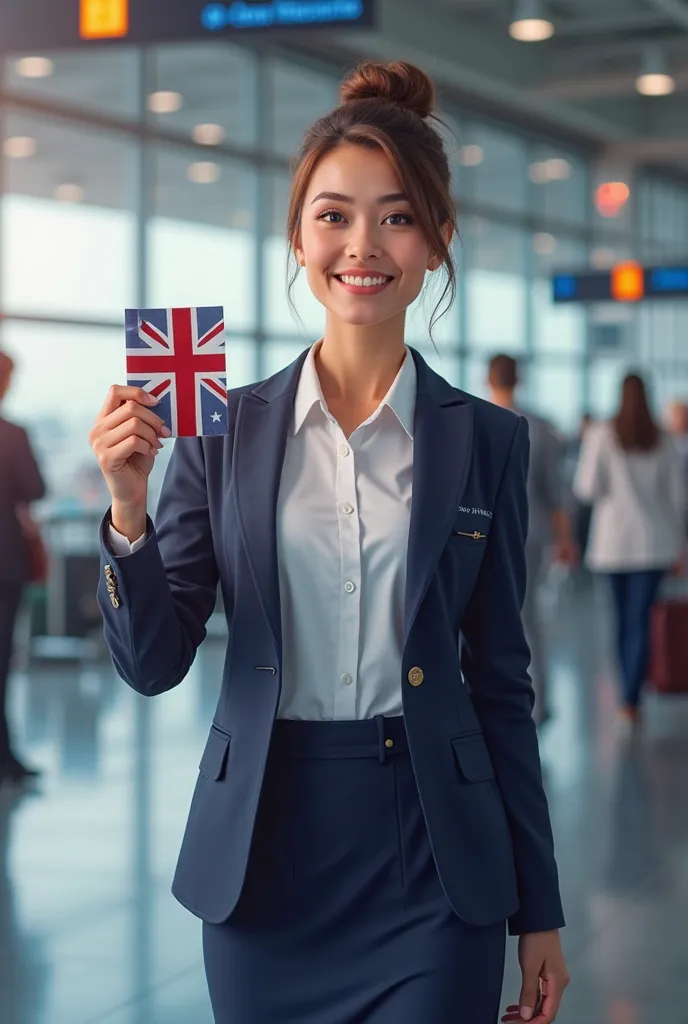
[(471, 155), (530, 24), (558, 169), (165, 102), (654, 78), (204, 172), (19, 147), (34, 67), (68, 192), (544, 244), (208, 134), (538, 172), (655, 85)]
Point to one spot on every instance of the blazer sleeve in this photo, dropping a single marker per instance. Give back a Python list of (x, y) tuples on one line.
[(28, 483), (165, 591), (495, 659), (590, 479)]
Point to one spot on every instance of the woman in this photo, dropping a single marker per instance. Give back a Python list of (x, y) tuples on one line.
[(20, 484), (369, 810), (631, 473)]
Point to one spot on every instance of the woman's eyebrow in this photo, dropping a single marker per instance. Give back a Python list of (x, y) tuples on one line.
[(337, 197)]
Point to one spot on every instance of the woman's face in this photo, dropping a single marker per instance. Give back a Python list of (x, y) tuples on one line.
[(364, 252)]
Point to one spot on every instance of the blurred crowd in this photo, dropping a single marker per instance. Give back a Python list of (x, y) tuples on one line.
[(611, 500)]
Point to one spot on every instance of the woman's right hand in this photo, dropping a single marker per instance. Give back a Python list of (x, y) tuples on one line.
[(125, 440)]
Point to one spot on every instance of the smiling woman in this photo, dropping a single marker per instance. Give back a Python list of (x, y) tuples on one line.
[(371, 207), (364, 824)]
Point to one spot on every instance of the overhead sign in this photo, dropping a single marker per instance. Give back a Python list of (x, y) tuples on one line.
[(625, 282), (30, 25)]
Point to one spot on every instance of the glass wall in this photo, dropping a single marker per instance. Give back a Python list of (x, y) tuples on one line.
[(160, 177)]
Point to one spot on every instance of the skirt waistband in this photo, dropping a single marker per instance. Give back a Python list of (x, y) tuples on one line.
[(377, 737)]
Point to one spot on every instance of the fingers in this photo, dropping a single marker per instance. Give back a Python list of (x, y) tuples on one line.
[(119, 393), (112, 460), (131, 408), (134, 426), (129, 418)]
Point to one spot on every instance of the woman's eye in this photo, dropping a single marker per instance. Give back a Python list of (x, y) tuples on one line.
[(330, 217), (400, 219)]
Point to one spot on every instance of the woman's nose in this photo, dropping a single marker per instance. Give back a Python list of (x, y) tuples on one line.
[(364, 244)]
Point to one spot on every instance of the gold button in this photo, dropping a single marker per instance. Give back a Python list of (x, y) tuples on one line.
[(389, 743), (415, 676)]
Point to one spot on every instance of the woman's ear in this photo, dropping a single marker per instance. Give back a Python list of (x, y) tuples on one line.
[(435, 261), (298, 251)]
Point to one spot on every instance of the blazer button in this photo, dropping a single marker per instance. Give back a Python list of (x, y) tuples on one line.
[(415, 676)]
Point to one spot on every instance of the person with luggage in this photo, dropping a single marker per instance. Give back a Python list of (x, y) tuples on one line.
[(631, 472)]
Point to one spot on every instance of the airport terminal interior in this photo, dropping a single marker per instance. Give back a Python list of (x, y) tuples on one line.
[(156, 174)]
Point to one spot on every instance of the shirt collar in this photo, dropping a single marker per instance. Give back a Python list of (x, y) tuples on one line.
[(401, 397)]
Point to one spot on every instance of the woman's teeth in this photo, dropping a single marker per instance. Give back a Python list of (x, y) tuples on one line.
[(363, 282)]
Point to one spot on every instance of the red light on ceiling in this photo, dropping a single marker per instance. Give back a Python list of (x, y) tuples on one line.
[(627, 282), (611, 197)]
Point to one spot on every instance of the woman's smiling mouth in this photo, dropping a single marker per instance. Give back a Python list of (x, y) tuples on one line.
[(364, 283)]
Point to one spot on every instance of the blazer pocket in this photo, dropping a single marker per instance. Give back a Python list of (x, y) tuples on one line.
[(473, 757), (214, 761)]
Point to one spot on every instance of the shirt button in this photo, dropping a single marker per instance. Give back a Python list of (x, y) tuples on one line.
[(345, 450), (349, 587), (346, 679), (347, 509)]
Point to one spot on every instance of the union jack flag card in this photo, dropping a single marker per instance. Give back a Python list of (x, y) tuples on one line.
[(179, 356)]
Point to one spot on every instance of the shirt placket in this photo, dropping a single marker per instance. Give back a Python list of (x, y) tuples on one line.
[(346, 682)]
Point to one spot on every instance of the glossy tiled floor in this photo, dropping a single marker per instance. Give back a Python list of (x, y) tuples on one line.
[(89, 933)]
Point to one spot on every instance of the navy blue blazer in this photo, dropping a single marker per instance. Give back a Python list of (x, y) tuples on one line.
[(467, 695)]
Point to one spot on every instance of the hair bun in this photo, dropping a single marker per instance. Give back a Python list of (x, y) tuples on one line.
[(396, 82)]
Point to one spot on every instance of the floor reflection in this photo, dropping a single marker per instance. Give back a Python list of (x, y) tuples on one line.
[(89, 933)]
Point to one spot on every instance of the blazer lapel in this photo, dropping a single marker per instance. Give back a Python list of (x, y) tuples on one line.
[(443, 443), (264, 418)]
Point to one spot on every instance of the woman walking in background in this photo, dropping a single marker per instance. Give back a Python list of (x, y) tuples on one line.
[(631, 473), (20, 484)]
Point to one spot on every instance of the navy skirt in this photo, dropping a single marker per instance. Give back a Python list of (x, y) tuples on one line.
[(342, 918)]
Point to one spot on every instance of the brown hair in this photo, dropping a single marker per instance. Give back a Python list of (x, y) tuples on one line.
[(6, 367), (387, 105), (503, 372), (634, 424)]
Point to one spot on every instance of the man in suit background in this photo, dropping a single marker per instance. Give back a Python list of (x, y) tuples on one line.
[(20, 484), (549, 522)]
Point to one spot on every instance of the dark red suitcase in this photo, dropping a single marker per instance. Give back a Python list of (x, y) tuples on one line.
[(669, 646)]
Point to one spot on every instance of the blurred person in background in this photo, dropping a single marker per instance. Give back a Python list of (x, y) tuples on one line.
[(581, 511), (677, 425), (549, 521), (631, 472), (20, 484)]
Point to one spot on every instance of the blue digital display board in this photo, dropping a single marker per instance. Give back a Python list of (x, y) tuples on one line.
[(31, 25), (599, 286)]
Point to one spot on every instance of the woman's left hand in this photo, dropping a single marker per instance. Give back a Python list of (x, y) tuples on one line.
[(544, 979)]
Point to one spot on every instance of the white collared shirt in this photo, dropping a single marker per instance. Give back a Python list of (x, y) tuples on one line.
[(343, 516)]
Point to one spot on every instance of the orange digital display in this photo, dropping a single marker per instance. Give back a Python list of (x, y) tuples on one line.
[(627, 282), (104, 19)]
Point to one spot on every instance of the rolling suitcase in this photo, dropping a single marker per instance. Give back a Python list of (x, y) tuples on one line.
[(669, 639)]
